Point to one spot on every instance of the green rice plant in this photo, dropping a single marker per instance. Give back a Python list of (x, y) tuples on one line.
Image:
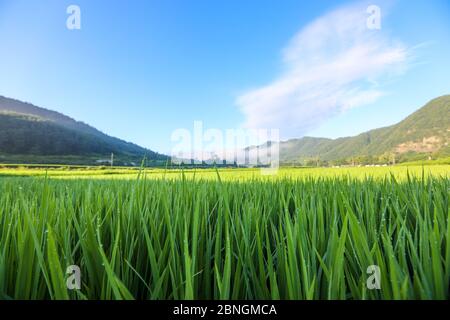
[(201, 237)]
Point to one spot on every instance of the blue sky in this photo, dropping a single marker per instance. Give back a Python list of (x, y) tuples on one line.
[(140, 69)]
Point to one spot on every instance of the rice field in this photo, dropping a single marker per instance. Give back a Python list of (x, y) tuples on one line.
[(240, 174), (303, 234)]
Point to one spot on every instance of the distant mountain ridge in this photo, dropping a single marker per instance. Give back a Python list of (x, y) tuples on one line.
[(425, 133), (30, 134), (26, 129)]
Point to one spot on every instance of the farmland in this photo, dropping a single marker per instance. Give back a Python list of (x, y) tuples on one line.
[(227, 234), (240, 174)]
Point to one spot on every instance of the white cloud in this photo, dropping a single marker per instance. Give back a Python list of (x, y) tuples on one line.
[(333, 64)]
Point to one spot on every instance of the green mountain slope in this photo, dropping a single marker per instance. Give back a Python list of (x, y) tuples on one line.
[(423, 134), (27, 131)]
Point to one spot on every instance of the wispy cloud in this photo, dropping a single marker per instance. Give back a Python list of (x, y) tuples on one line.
[(333, 64)]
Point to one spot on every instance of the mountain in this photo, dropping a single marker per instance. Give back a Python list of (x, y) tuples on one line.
[(424, 134), (33, 133), (29, 134)]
